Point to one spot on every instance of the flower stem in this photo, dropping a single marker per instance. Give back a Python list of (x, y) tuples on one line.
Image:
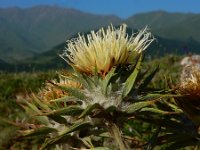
[(115, 132)]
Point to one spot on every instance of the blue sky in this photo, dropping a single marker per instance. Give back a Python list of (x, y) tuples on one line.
[(121, 8)]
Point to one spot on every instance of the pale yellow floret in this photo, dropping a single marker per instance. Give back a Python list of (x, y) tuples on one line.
[(104, 49)]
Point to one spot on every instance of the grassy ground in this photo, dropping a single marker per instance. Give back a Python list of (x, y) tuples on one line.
[(13, 84)]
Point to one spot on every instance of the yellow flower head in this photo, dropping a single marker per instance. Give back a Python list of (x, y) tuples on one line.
[(104, 49)]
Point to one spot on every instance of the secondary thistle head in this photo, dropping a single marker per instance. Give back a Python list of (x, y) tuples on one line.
[(190, 90), (190, 86), (53, 89), (105, 49)]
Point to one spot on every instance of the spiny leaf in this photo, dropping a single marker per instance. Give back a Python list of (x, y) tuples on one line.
[(38, 132), (174, 107), (33, 110), (87, 141), (152, 142), (116, 133), (106, 80), (89, 109), (65, 134), (90, 80), (148, 79), (66, 99), (42, 105), (6, 121), (173, 125), (151, 96), (52, 142), (131, 79), (76, 127), (33, 107), (155, 110), (101, 148), (109, 89), (96, 78), (133, 130), (85, 80), (138, 105), (111, 109), (58, 119), (72, 77), (156, 96), (173, 137), (73, 92), (71, 110), (184, 142)]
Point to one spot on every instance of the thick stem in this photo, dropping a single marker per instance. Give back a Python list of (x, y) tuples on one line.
[(115, 132)]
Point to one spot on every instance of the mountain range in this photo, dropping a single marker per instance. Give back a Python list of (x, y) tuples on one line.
[(30, 34), (25, 32)]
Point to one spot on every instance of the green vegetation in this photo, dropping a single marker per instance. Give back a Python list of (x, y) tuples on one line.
[(21, 83), (14, 85)]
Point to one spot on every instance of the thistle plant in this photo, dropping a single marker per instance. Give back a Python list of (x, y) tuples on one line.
[(89, 107)]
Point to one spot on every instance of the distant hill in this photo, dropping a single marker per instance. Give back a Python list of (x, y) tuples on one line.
[(5, 66), (31, 37), (161, 46), (178, 26), (24, 32)]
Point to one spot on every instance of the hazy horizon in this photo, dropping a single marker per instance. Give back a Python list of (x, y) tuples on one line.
[(55, 5), (121, 8)]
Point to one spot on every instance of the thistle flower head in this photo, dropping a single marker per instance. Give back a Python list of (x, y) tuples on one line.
[(53, 91), (190, 90), (191, 85), (104, 49)]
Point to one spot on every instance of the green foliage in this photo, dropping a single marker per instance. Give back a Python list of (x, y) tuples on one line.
[(13, 84), (131, 79), (102, 105), (146, 118), (165, 74)]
